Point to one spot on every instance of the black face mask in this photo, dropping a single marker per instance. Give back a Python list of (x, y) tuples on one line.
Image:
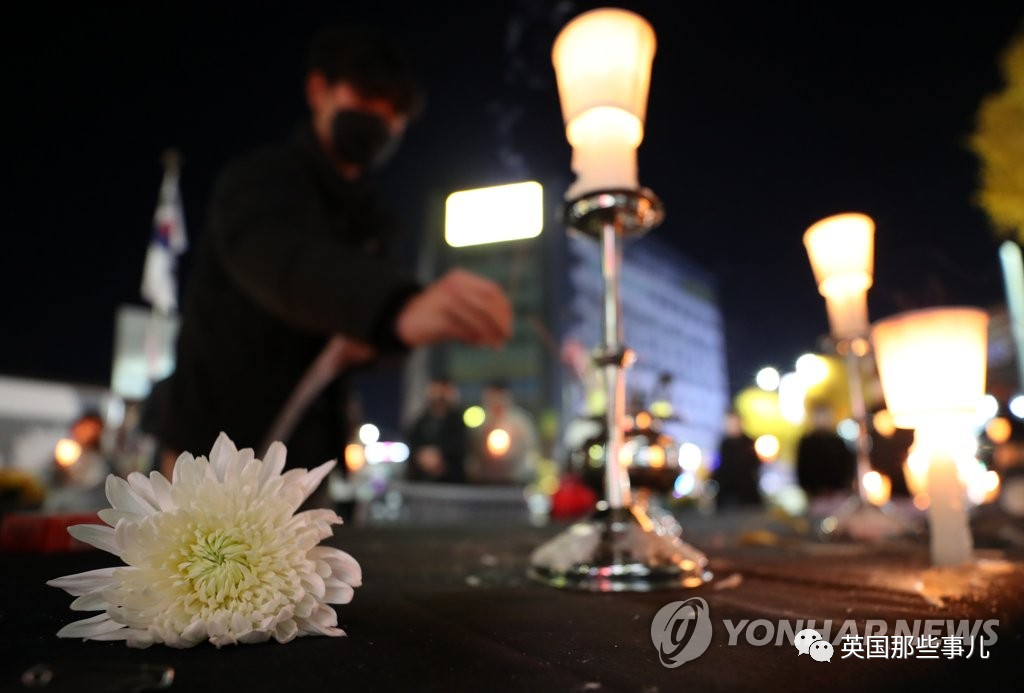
[(361, 138)]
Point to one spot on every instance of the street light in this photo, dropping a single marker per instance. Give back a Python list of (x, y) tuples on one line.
[(932, 367), (602, 61)]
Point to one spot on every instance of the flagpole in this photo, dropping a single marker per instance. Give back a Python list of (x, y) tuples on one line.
[(162, 310)]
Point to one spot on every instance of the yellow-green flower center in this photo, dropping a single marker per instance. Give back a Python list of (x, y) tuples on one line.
[(217, 566)]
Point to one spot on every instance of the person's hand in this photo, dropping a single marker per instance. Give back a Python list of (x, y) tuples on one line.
[(460, 306), (344, 352)]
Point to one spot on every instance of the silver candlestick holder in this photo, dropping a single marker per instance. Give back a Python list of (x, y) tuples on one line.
[(858, 519), (619, 548)]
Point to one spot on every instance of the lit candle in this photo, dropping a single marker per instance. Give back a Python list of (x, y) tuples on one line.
[(932, 367), (877, 487), (841, 249), (602, 62), (951, 541)]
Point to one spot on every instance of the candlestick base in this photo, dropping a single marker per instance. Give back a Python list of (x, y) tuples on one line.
[(859, 521), (618, 550)]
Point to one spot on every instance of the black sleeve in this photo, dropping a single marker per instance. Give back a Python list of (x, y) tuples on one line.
[(274, 237)]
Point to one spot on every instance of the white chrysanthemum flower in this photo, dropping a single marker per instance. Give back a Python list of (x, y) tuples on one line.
[(215, 554)]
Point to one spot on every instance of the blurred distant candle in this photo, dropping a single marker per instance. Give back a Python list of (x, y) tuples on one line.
[(932, 366), (602, 61), (878, 488), (841, 249)]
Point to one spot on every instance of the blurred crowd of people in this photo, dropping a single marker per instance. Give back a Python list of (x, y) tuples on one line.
[(502, 449)]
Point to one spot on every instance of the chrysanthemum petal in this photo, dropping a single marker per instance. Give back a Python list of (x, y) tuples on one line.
[(315, 476), (139, 638), (94, 601), (83, 583), (338, 592), (89, 627), (343, 566), (184, 459), (315, 584), (319, 520), (292, 487), (112, 517), (123, 497), (178, 642), (305, 606), (254, 636), (143, 488), (273, 462), (286, 631), (126, 535), (223, 452), (195, 631), (100, 536), (237, 463), (217, 626), (119, 634), (324, 616), (162, 491), (323, 621)]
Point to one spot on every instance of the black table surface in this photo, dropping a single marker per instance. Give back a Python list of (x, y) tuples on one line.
[(451, 609)]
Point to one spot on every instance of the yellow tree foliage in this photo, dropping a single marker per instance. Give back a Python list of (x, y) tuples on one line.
[(999, 143)]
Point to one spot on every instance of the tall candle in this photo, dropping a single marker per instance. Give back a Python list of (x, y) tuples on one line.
[(951, 542), (602, 61), (848, 314), (932, 367)]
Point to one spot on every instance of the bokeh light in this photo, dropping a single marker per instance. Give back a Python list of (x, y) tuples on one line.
[(767, 379), (877, 487), (67, 452), (474, 416), (988, 408), (355, 457), (811, 369), (690, 457), (848, 429), (998, 430), (767, 447), (792, 396), (882, 421), (498, 442), (368, 433)]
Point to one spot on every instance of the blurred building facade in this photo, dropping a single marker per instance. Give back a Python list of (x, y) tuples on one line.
[(672, 320)]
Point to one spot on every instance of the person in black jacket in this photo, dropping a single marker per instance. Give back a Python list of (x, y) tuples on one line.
[(437, 438), (825, 464), (739, 466), (293, 259)]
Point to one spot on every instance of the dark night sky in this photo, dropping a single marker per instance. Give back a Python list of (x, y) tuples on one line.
[(762, 119)]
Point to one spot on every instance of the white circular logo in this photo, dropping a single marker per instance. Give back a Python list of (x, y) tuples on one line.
[(681, 631)]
